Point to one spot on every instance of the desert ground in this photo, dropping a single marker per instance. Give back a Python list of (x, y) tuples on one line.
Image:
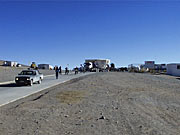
[(111, 103)]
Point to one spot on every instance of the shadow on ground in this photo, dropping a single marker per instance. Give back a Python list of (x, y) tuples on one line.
[(10, 85), (178, 78)]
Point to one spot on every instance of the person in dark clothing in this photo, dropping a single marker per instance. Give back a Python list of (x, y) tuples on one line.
[(66, 71), (76, 70), (57, 72), (60, 70)]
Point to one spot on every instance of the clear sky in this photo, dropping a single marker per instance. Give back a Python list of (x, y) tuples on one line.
[(61, 33)]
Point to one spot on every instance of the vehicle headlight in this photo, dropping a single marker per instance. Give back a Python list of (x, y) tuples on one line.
[(28, 78), (17, 78)]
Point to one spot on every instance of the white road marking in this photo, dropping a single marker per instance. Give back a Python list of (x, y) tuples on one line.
[(8, 82)]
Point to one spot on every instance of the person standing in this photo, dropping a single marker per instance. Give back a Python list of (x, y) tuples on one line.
[(60, 70), (76, 70), (57, 71), (66, 71)]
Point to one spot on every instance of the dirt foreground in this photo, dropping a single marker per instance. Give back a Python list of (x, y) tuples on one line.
[(98, 104)]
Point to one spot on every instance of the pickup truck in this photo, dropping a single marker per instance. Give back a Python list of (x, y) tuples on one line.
[(28, 77)]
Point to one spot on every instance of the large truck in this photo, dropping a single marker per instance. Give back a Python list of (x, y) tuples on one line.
[(96, 64)]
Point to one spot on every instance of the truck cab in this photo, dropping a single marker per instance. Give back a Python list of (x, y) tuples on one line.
[(28, 77)]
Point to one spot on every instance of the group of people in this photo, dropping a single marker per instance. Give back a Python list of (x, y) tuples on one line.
[(59, 71)]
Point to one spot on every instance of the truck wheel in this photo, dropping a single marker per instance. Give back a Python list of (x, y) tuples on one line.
[(39, 82), (31, 83)]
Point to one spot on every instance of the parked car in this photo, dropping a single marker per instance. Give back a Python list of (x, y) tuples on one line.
[(28, 77)]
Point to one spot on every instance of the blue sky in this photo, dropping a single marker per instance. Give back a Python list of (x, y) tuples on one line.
[(61, 33)]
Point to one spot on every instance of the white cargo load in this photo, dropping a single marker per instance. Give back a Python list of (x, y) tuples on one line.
[(99, 63)]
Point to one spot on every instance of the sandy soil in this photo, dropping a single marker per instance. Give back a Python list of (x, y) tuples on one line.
[(98, 104)]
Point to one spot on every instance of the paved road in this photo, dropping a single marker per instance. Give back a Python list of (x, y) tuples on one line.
[(11, 92)]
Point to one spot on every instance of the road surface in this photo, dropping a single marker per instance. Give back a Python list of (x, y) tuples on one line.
[(11, 92)]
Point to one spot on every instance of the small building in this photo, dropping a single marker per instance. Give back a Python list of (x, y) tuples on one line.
[(173, 69), (10, 63), (45, 66)]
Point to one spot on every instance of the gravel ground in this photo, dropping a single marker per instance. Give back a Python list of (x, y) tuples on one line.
[(9, 73), (98, 104)]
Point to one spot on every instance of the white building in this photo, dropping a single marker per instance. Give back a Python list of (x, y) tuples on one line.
[(45, 66), (173, 69), (10, 63)]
